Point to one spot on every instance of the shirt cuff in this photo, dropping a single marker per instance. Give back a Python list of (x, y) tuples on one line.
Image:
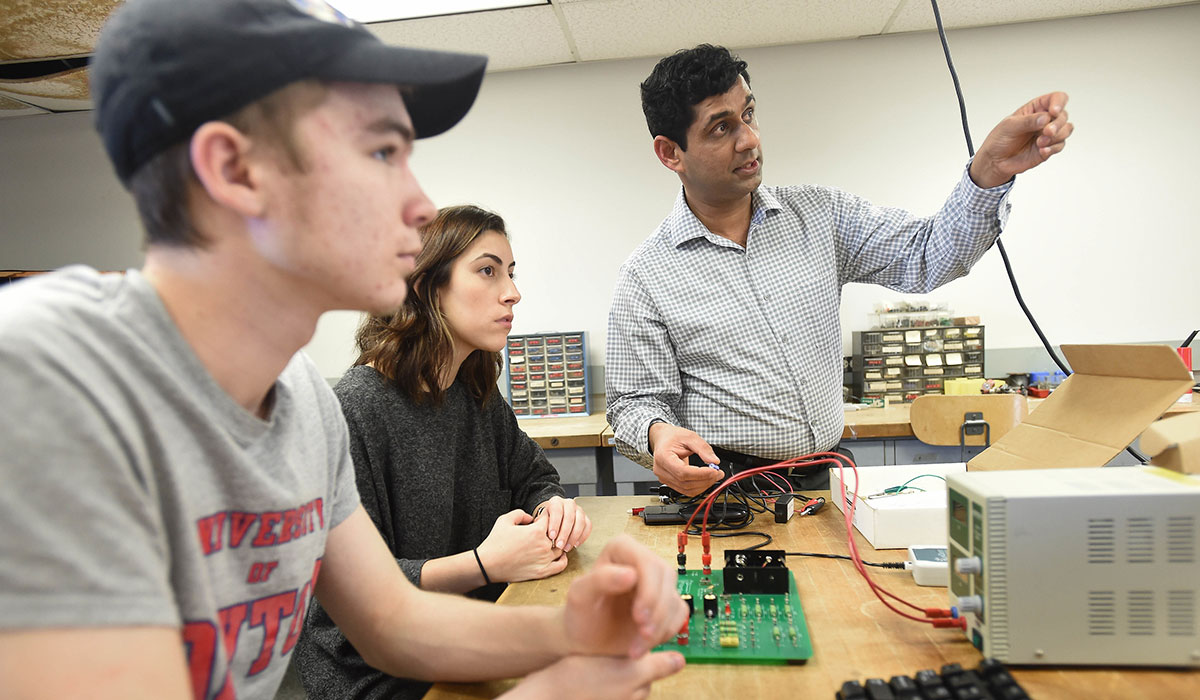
[(632, 433), (993, 199)]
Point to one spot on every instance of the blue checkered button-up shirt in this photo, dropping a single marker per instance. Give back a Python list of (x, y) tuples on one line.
[(744, 345)]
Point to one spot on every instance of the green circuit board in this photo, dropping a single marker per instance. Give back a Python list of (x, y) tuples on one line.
[(747, 628)]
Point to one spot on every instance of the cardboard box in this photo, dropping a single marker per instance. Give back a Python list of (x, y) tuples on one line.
[(1174, 443), (896, 522), (1115, 392), (963, 386)]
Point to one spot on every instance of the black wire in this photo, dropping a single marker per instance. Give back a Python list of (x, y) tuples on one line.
[(962, 105), (767, 539), (882, 565), (1012, 279), (1189, 340), (730, 518)]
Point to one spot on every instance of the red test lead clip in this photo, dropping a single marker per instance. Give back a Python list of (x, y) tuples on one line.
[(812, 506)]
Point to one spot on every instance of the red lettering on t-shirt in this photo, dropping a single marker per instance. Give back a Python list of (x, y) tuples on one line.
[(201, 638), (274, 526), (211, 530), (266, 613), (290, 529), (301, 611), (231, 620), (200, 645), (266, 529), (239, 525)]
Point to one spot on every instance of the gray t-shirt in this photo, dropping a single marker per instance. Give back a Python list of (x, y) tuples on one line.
[(135, 491)]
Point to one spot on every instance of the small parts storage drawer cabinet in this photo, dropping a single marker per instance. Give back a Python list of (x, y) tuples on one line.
[(903, 363), (548, 375)]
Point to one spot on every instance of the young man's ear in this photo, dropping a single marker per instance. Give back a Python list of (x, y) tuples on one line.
[(220, 159), (669, 153)]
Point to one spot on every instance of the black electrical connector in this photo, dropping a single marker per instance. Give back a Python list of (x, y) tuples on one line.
[(785, 508), (755, 571)]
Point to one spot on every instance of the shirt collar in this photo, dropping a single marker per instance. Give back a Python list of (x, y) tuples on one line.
[(684, 226)]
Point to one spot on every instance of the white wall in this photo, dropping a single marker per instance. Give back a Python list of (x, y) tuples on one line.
[(60, 202), (1103, 237)]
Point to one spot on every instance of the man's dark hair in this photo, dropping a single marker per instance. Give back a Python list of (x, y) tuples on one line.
[(682, 81)]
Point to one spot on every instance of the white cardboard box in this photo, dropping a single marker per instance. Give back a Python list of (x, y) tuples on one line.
[(900, 521)]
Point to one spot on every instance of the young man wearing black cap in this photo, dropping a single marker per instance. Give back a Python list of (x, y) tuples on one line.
[(177, 484), (740, 362)]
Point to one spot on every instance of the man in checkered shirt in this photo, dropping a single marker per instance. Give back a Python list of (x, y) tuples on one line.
[(724, 343)]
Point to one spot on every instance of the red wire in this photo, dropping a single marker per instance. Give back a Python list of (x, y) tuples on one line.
[(773, 478), (711, 498), (855, 557)]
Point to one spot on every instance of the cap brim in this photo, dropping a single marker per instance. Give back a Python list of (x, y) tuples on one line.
[(441, 85)]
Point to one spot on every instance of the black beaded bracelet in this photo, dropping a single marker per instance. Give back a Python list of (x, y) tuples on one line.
[(486, 580)]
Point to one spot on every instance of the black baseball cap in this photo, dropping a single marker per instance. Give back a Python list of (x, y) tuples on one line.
[(164, 67)]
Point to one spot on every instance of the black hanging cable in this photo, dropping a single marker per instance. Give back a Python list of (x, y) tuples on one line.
[(1012, 279), (962, 111)]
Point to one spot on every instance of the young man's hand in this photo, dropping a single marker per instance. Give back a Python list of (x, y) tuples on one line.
[(1023, 140), (671, 447), (566, 523), (625, 604), (598, 677)]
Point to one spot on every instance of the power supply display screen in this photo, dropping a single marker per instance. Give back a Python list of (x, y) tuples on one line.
[(959, 519)]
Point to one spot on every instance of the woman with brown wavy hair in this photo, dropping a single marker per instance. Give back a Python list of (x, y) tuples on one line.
[(462, 496)]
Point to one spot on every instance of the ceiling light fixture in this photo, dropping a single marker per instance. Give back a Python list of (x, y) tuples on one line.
[(390, 10)]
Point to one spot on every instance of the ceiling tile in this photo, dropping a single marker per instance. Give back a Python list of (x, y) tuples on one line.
[(31, 29), (59, 92), (605, 29), (917, 15), (517, 38), (15, 108)]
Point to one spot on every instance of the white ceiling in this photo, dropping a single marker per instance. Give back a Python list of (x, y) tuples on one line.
[(570, 31), (562, 31)]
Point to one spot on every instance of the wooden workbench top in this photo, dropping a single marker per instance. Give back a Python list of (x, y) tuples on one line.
[(593, 430), (854, 636)]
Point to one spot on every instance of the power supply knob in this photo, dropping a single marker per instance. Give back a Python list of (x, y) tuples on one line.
[(968, 565), (970, 604)]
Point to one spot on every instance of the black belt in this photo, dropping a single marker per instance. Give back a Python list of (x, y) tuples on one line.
[(741, 462), (814, 476)]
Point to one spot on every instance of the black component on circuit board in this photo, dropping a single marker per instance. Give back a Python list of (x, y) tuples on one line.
[(755, 571)]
